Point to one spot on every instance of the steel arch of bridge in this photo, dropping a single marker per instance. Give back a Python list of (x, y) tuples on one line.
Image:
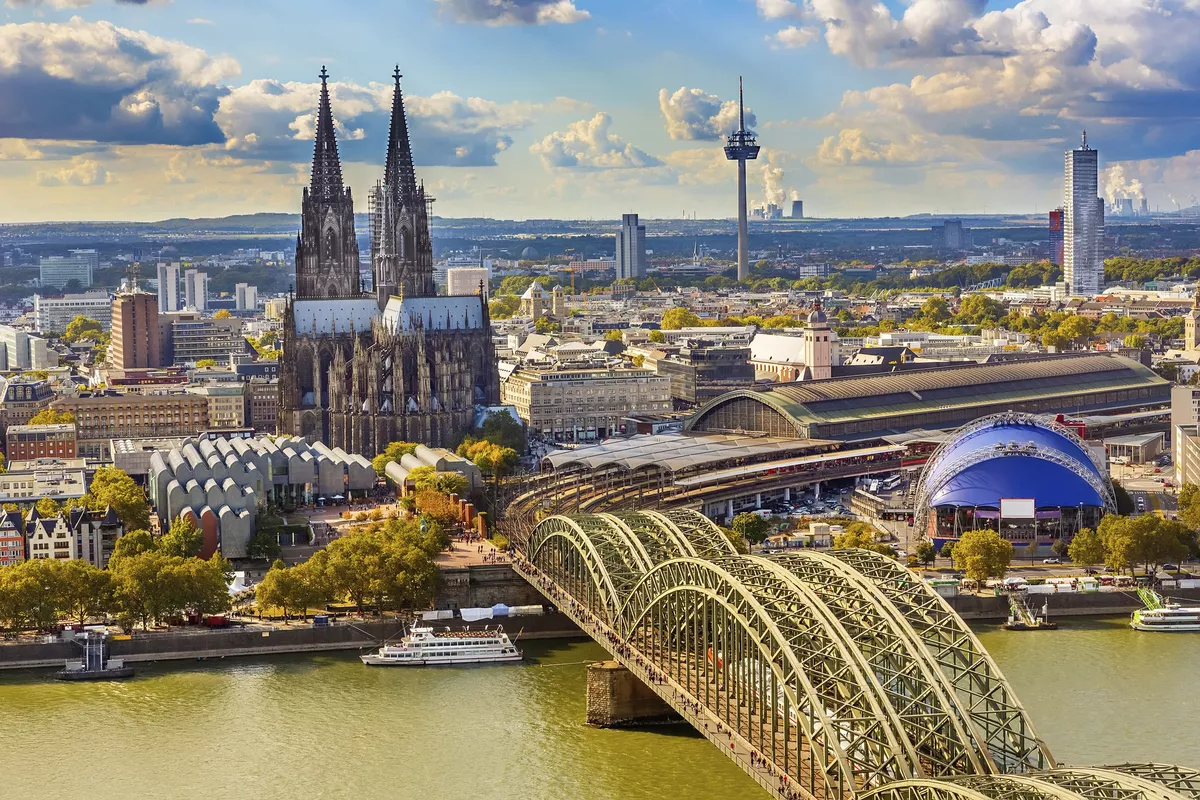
[(843, 668)]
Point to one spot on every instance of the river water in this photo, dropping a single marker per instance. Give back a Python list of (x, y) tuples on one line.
[(324, 726)]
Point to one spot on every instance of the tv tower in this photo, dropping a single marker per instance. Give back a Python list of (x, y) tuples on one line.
[(742, 147)]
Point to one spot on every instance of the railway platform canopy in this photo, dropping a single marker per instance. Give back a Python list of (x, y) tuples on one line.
[(683, 453)]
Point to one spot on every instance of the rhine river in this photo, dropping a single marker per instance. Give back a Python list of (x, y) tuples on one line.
[(325, 726)]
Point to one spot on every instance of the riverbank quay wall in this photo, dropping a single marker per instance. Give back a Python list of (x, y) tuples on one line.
[(1065, 604), (261, 640)]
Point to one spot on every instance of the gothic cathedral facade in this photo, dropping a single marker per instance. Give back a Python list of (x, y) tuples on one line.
[(358, 369)]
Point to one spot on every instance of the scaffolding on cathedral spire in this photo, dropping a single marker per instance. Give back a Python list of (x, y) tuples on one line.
[(399, 174), (327, 168)]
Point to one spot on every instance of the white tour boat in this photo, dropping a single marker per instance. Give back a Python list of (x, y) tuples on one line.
[(423, 648), (1163, 615)]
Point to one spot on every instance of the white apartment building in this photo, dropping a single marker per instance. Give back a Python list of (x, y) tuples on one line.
[(462, 281), (1083, 223), (51, 314), (583, 404), (195, 289), (22, 350), (245, 297), (55, 272), (168, 288)]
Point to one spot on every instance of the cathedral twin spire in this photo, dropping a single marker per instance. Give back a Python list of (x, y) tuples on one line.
[(327, 168)]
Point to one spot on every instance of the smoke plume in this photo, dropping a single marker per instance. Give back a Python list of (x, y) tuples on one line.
[(773, 190), (1116, 185)]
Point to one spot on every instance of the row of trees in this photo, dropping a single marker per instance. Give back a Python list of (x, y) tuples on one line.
[(147, 581), (383, 564), (1126, 543)]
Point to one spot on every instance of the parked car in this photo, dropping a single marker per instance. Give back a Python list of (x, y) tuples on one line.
[(1051, 560)]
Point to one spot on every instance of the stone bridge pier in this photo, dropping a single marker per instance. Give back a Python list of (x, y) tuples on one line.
[(617, 698)]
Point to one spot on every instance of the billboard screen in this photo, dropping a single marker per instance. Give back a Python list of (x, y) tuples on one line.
[(1011, 508)]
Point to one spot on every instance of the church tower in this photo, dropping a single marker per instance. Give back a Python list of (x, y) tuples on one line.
[(401, 248), (327, 249)]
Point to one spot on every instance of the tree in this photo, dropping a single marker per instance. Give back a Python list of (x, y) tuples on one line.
[(982, 554), (183, 539), (501, 428), (395, 561), (1135, 341), (393, 452), (677, 318), (51, 416), (46, 508), (751, 527), (935, 310), (81, 328), (1086, 548), (490, 458), (1055, 339), (426, 478), (112, 487), (86, 590), (1124, 501), (1189, 505), (947, 551), (206, 363), (658, 337), (861, 536), (132, 544), (1061, 547), (613, 336), (285, 589), (1077, 328), (222, 314), (264, 544), (438, 507), (925, 552), (34, 592), (546, 325), (739, 544)]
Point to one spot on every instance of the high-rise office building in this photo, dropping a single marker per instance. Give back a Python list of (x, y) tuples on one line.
[(135, 332), (631, 248), (950, 236), (195, 289), (1056, 236), (57, 271), (168, 288), (245, 297), (1083, 223)]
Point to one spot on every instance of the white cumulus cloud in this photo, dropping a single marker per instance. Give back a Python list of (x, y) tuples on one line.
[(588, 144), (513, 12), (696, 115)]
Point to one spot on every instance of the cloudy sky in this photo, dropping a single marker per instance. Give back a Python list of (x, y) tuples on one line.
[(146, 109)]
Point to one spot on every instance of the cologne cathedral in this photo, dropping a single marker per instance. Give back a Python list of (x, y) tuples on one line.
[(361, 369)]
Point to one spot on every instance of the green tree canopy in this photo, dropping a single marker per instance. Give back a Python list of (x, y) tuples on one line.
[(51, 416), (206, 363), (751, 527), (183, 539), (677, 318), (657, 337), (112, 487), (983, 554), (393, 452), (500, 428), (81, 328), (1086, 548)]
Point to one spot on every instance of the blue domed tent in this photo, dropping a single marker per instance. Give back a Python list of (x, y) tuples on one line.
[(1012, 456)]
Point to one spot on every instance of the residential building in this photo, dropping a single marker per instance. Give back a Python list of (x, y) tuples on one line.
[(1083, 223), (23, 398), (950, 236), (51, 314), (275, 308), (57, 271), (631, 248), (12, 538), (1185, 406), (1186, 453), (226, 404), (101, 416), (23, 442), (583, 404), (197, 339), (20, 350), (135, 332), (195, 289), (96, 533), (49, 538), (168, 288), (466, 280), (262, 405), (1056, 236), (245, 297), (55, 479)]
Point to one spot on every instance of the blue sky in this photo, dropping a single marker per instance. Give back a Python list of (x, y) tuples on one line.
[(143, 109)]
